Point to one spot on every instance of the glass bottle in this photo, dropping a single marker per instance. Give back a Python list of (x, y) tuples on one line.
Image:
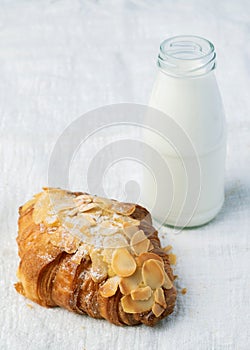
[(186, 91)]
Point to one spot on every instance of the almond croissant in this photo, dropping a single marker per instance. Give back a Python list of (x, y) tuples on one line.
[(94, 256)]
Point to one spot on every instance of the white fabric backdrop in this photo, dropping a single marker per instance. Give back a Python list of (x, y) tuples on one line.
[(60, 59)]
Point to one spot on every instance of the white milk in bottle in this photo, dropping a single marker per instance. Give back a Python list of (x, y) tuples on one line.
[(187, 93)]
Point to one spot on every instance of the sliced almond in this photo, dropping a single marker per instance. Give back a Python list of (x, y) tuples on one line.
[(60, 200), (157, 309), (36, 196), (167, 282), (109, 288), (107, 255), (107, 228), (79, 223), (69, 223), (146, 256), (70, 212), (106, 224), (60, 238), (99, 269), (172, 259), (127, 284), (83, 198), (116, 241), (167, 248), (41, 208), (86, 207), (129, 230), (130, 221), (123, 263), (123, 208), (66, 209), (111, 272), (136, 306), (102, 201), (153, 273), (28, 204), (160, 297), (139, 242), (108, 231), (89, 218), (143, 293)]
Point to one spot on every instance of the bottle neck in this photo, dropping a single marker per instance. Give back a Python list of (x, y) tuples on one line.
[(186, 56)]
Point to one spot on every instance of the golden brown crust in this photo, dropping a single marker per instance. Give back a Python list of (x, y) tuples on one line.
[(56, 270)]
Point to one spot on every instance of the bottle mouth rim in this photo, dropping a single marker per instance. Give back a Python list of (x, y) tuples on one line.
[(186, 40), (186, 56)]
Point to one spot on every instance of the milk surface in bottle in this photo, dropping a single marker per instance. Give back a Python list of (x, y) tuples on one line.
[(187, 93)]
